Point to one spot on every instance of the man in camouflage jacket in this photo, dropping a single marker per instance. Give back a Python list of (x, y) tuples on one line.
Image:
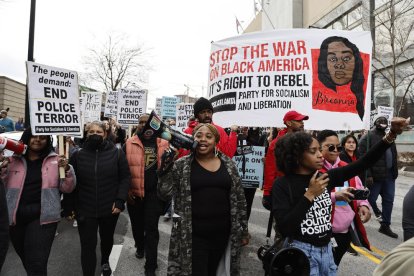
[(176, 183)]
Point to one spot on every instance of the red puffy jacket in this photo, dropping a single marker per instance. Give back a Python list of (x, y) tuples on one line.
[(270, 169)]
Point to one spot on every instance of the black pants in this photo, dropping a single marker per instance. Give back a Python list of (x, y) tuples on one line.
[(344, 242), (144, 215), (205, 259), (88, 228), (249, 195), (32, 243)]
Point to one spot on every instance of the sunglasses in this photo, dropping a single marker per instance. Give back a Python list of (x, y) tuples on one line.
[(333, 147)]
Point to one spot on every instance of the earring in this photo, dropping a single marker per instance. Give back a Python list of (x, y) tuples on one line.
[(215, 151)]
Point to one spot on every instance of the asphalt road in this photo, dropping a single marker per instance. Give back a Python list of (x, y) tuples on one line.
[(65, 255)]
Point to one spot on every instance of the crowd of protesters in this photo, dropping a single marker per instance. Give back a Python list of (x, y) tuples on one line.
[(304, 175)]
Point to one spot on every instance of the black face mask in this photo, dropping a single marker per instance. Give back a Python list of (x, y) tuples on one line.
[(94, 141)]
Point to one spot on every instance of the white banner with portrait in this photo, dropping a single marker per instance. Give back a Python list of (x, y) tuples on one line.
[(255, 78)]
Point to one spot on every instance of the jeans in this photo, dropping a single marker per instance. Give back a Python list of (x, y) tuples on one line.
[(385, 188), (88, 228), (144, 215), (321, 259), (32, 243)]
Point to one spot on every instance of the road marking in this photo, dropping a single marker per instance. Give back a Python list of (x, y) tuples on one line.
[(114, 257), (366, 254), (378, 251)]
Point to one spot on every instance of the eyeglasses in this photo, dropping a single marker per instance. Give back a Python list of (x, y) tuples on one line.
[(333, 147)]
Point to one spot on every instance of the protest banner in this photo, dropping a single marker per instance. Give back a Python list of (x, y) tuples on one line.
[(111, 105), (387, 112), (131, 104), (53, 100), (249, 162), (158, 106), (168, 107), (91, 106), (184, 112), (255, 78)]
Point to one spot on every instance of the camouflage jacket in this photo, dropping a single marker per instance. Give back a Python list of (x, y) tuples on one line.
[(176, 183)]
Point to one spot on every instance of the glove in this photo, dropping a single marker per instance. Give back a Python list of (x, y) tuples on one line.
[(369, 181), (167, 160), (267, 202)]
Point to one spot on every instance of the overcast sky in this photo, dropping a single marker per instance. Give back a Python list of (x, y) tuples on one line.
[(178, 32)]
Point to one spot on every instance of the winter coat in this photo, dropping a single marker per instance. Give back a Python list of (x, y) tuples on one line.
[(379, 170), (14, 176), (103, 179), (343, 214), (176, 184), (271, 171), (4, 225), (135, 154)]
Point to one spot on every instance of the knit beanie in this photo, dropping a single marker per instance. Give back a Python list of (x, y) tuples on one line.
[(201, 104)]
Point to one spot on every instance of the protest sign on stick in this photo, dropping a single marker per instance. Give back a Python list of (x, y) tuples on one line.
[(249, 162), (91, 106), (131, 104), (168, 107), (111, 105), (184, 112), (325, 74), (53, 100)]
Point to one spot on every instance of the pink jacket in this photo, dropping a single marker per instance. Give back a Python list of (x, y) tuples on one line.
[(344, 214), (14, 176)]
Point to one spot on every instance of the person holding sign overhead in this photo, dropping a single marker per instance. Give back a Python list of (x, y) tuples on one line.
[(203, 111), (33, 199)]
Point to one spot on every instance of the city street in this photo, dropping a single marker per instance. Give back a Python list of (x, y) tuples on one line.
[(65, 256)]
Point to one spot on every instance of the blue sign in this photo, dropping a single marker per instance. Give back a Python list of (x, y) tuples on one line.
[(168, 108)]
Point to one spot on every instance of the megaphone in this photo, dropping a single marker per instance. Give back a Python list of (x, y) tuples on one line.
[(155, 127), (289, 261), (12, 145)]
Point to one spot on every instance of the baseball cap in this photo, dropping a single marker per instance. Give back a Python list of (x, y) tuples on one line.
[(294, 115)]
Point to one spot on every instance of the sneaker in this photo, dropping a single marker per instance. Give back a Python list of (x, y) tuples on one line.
[(386, 230), (106, 270), (75, 223), (352, 251), (378, 215), (167, 216), (139, 253), (149, 272)]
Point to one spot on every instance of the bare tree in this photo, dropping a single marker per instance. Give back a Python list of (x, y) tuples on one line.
[(113, 64), (393, 59)]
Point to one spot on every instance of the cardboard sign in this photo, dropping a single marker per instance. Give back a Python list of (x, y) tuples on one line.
[(131, 104), (91, 106), (184, 112), (158, 106), (169, 107), (250, 166), (255, 78), (53, 100), (111, 105)]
